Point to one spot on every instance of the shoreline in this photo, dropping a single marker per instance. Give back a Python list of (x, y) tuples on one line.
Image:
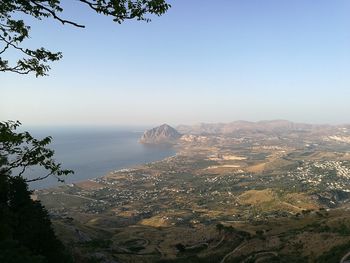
[(124, 169)]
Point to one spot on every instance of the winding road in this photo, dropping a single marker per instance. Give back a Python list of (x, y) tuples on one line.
[(343, 259), (233, 251)]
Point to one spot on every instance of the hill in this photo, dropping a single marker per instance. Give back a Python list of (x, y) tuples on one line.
[(161, 134), (270, 126)]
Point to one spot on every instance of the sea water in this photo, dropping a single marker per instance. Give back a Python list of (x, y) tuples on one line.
[(94, 152)]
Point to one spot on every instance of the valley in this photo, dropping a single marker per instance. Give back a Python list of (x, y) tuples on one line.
[(271, 192)]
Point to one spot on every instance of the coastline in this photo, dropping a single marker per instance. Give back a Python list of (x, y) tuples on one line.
[(96, 154), (111, 173)]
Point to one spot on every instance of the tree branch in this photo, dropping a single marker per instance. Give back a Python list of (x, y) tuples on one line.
[(4, 49), (38, 178), (54, 15), (14, 70), (20, 161), (10, 43)]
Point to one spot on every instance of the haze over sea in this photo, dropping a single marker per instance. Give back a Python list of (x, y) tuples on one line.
[(94, 152)]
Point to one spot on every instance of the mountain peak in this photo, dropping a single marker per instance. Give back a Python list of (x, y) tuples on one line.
[(161, 134), (164, 126)]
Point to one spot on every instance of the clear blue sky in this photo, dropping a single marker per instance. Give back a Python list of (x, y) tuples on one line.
[(204, 61)]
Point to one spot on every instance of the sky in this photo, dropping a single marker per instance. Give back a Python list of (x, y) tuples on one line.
[(203, 61)]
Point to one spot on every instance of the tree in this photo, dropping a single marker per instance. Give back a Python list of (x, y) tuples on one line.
[(180, 247), (13, 30), (220, 227), (20, 150), (26, 231), (26, 234)]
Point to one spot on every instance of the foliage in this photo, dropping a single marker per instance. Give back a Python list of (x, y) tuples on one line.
[(334, 254), (341, 229), (26, 234), (219, 227), (193, 259), (20, 150), (232, 230), (98, 243), (13, 30), (180, 247)]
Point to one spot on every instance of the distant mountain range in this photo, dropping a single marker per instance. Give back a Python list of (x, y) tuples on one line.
[(160, 134), (246, 126), (168, 134)]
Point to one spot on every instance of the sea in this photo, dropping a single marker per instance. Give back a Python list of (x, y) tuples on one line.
[(94, 152)]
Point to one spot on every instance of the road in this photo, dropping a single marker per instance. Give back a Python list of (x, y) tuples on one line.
[(343, 259)]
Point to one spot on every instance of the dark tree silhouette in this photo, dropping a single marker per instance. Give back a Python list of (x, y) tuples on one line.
[(13, 30), (220, 227), (20, 150), (26, 234)]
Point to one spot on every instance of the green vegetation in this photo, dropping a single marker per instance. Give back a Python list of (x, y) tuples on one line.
[(335, 254), (26, 234), (98, 243), (342, 229), (14, 30), (192, 259)]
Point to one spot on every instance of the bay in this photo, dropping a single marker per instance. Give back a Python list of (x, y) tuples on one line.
[(94, 152)]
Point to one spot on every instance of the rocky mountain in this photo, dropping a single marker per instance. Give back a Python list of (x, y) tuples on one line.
[(160, 134)]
